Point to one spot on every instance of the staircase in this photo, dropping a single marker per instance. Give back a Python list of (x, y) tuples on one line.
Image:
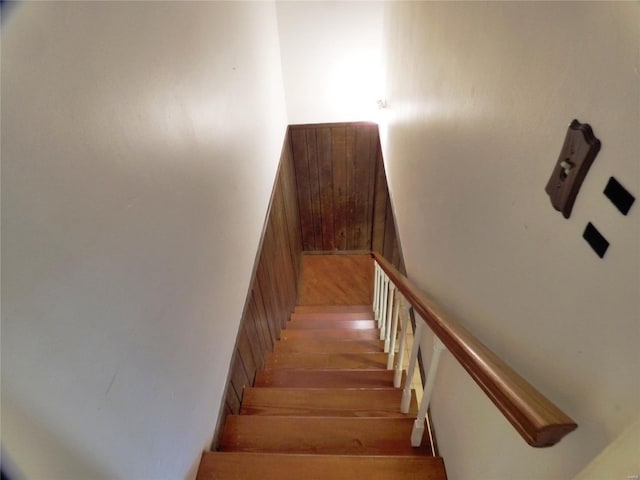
[(323, 407)]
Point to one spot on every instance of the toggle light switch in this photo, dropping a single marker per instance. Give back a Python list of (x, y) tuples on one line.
[(578, 152)]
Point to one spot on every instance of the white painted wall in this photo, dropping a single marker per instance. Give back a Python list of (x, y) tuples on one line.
[(619, 460), (139, 147), (480, 96), (331, 59)]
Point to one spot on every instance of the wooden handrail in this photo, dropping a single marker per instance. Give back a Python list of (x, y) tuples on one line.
[(535, 417)]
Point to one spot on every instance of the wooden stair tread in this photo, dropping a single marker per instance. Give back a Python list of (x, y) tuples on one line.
[(329, 346), (334, 309), (332, 316), (316, 324), (300, 378), (259, 466), (335, 402), (333, 334), (320, 435), (376, 360)]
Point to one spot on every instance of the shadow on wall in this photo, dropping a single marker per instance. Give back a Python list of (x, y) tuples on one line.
[(6, 7), (28, 435)]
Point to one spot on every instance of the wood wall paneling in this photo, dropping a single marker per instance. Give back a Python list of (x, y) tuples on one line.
[(325, 172), (380, 205), (301, 165), (342, 188), (330, 194), (338, 154), (273, 289), (344, 202)]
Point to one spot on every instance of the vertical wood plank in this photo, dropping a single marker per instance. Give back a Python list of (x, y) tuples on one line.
[(270, 286), (232, 400), (261, 315), (371, 185), (266, 300), (246, 355), (257, 349), (325, 172), (286, 272), (348, 202), (363, 159), (314, 187), (260, 325), (291, 211), (301, 165), (380, 205), (239, 378), (351, 188), (340, 186), (389, 232)]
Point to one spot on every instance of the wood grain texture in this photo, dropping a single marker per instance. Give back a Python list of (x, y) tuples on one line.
[(331, 402), (330, 193), (376, 360), (320, 435), (319, 323), (336, 280), (261, 466), (304, 378), (362, 309), (329, 346), (273, 289), (331, 316), (333, 334), (540, 422), (344, 202)]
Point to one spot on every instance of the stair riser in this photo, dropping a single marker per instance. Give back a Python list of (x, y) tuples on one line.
[(344, 436), (324, 378), (328, 346), (331, 316), (258, 466), (333, 402), (360, 309), (336, 335), (331, 324), (325, 360)]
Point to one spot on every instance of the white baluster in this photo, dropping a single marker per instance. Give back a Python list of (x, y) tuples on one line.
[(413, 360), (381, 278), (418, 426), (394, 329), (389, 316), (404, 315), (383, 306), (376, 275)]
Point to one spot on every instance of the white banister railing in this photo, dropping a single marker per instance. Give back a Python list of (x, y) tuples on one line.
[(393, 329), (388, 305), (538, 420), (377, 279), (404, 315), (386, 335), (418, 426)]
